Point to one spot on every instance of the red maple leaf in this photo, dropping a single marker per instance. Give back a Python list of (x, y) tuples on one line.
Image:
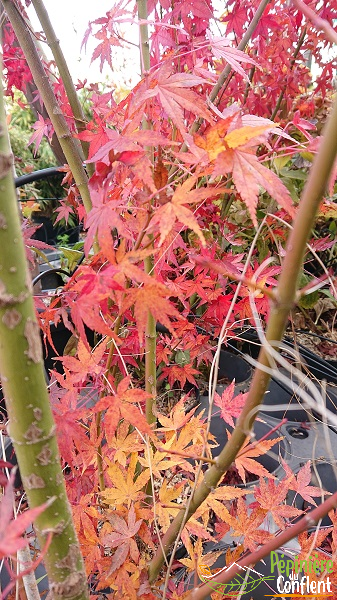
[(230, 405), (121, 538), (246, 525), (271, 496), (42, 127), (300, 483), (174, 95), (236, 20), (179, 373), (11, 529), (123, 406), (221, 48)]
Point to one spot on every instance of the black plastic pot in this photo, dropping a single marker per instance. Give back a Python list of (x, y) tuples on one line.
[(330, 397), (60, 336), (232, 366), (49, 233), (279, 395), (248, 343), (188, 388)]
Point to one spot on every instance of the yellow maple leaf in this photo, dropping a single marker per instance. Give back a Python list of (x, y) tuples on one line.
[(242, 135), (127, 487)]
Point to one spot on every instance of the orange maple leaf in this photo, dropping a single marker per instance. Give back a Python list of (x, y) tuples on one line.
[(245, 460), (150, 298), (166, 215), (232, 151), (271, 496), (301, 483), (246, 526), (121, 538)]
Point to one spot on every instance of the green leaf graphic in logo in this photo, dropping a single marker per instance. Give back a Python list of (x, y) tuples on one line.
[(239, 583)]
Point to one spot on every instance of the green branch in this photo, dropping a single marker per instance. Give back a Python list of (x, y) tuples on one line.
[(150, 333), (31, 423)]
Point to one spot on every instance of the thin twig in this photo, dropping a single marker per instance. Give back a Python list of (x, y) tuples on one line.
[(318, 22)]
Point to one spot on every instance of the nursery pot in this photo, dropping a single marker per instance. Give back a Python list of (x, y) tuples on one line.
[(49, 233), (232, 366), (192, 401), (278, 395), (330, 400)]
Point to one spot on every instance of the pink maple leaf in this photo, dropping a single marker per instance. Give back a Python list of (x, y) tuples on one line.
[(230, 405)]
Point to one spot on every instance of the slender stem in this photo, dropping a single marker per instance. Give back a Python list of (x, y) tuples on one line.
[(150, 333), (54, 45), (150, 356), (31, 423), (99, 453), (68, 144), (283, 302), (99, 456), (292, 63), (145, 62)]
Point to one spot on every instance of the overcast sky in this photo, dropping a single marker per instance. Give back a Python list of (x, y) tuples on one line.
[(70, 19)]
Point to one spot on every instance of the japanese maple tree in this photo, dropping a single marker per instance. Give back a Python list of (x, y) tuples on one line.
[(220, 109)]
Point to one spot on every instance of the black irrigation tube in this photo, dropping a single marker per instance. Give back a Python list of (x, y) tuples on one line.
[(37, 176), (45, 273), (321, 337)]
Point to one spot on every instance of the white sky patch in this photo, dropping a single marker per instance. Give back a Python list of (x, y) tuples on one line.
[(70, 20)]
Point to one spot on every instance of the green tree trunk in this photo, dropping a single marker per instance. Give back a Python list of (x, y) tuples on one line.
[(31, 423)]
